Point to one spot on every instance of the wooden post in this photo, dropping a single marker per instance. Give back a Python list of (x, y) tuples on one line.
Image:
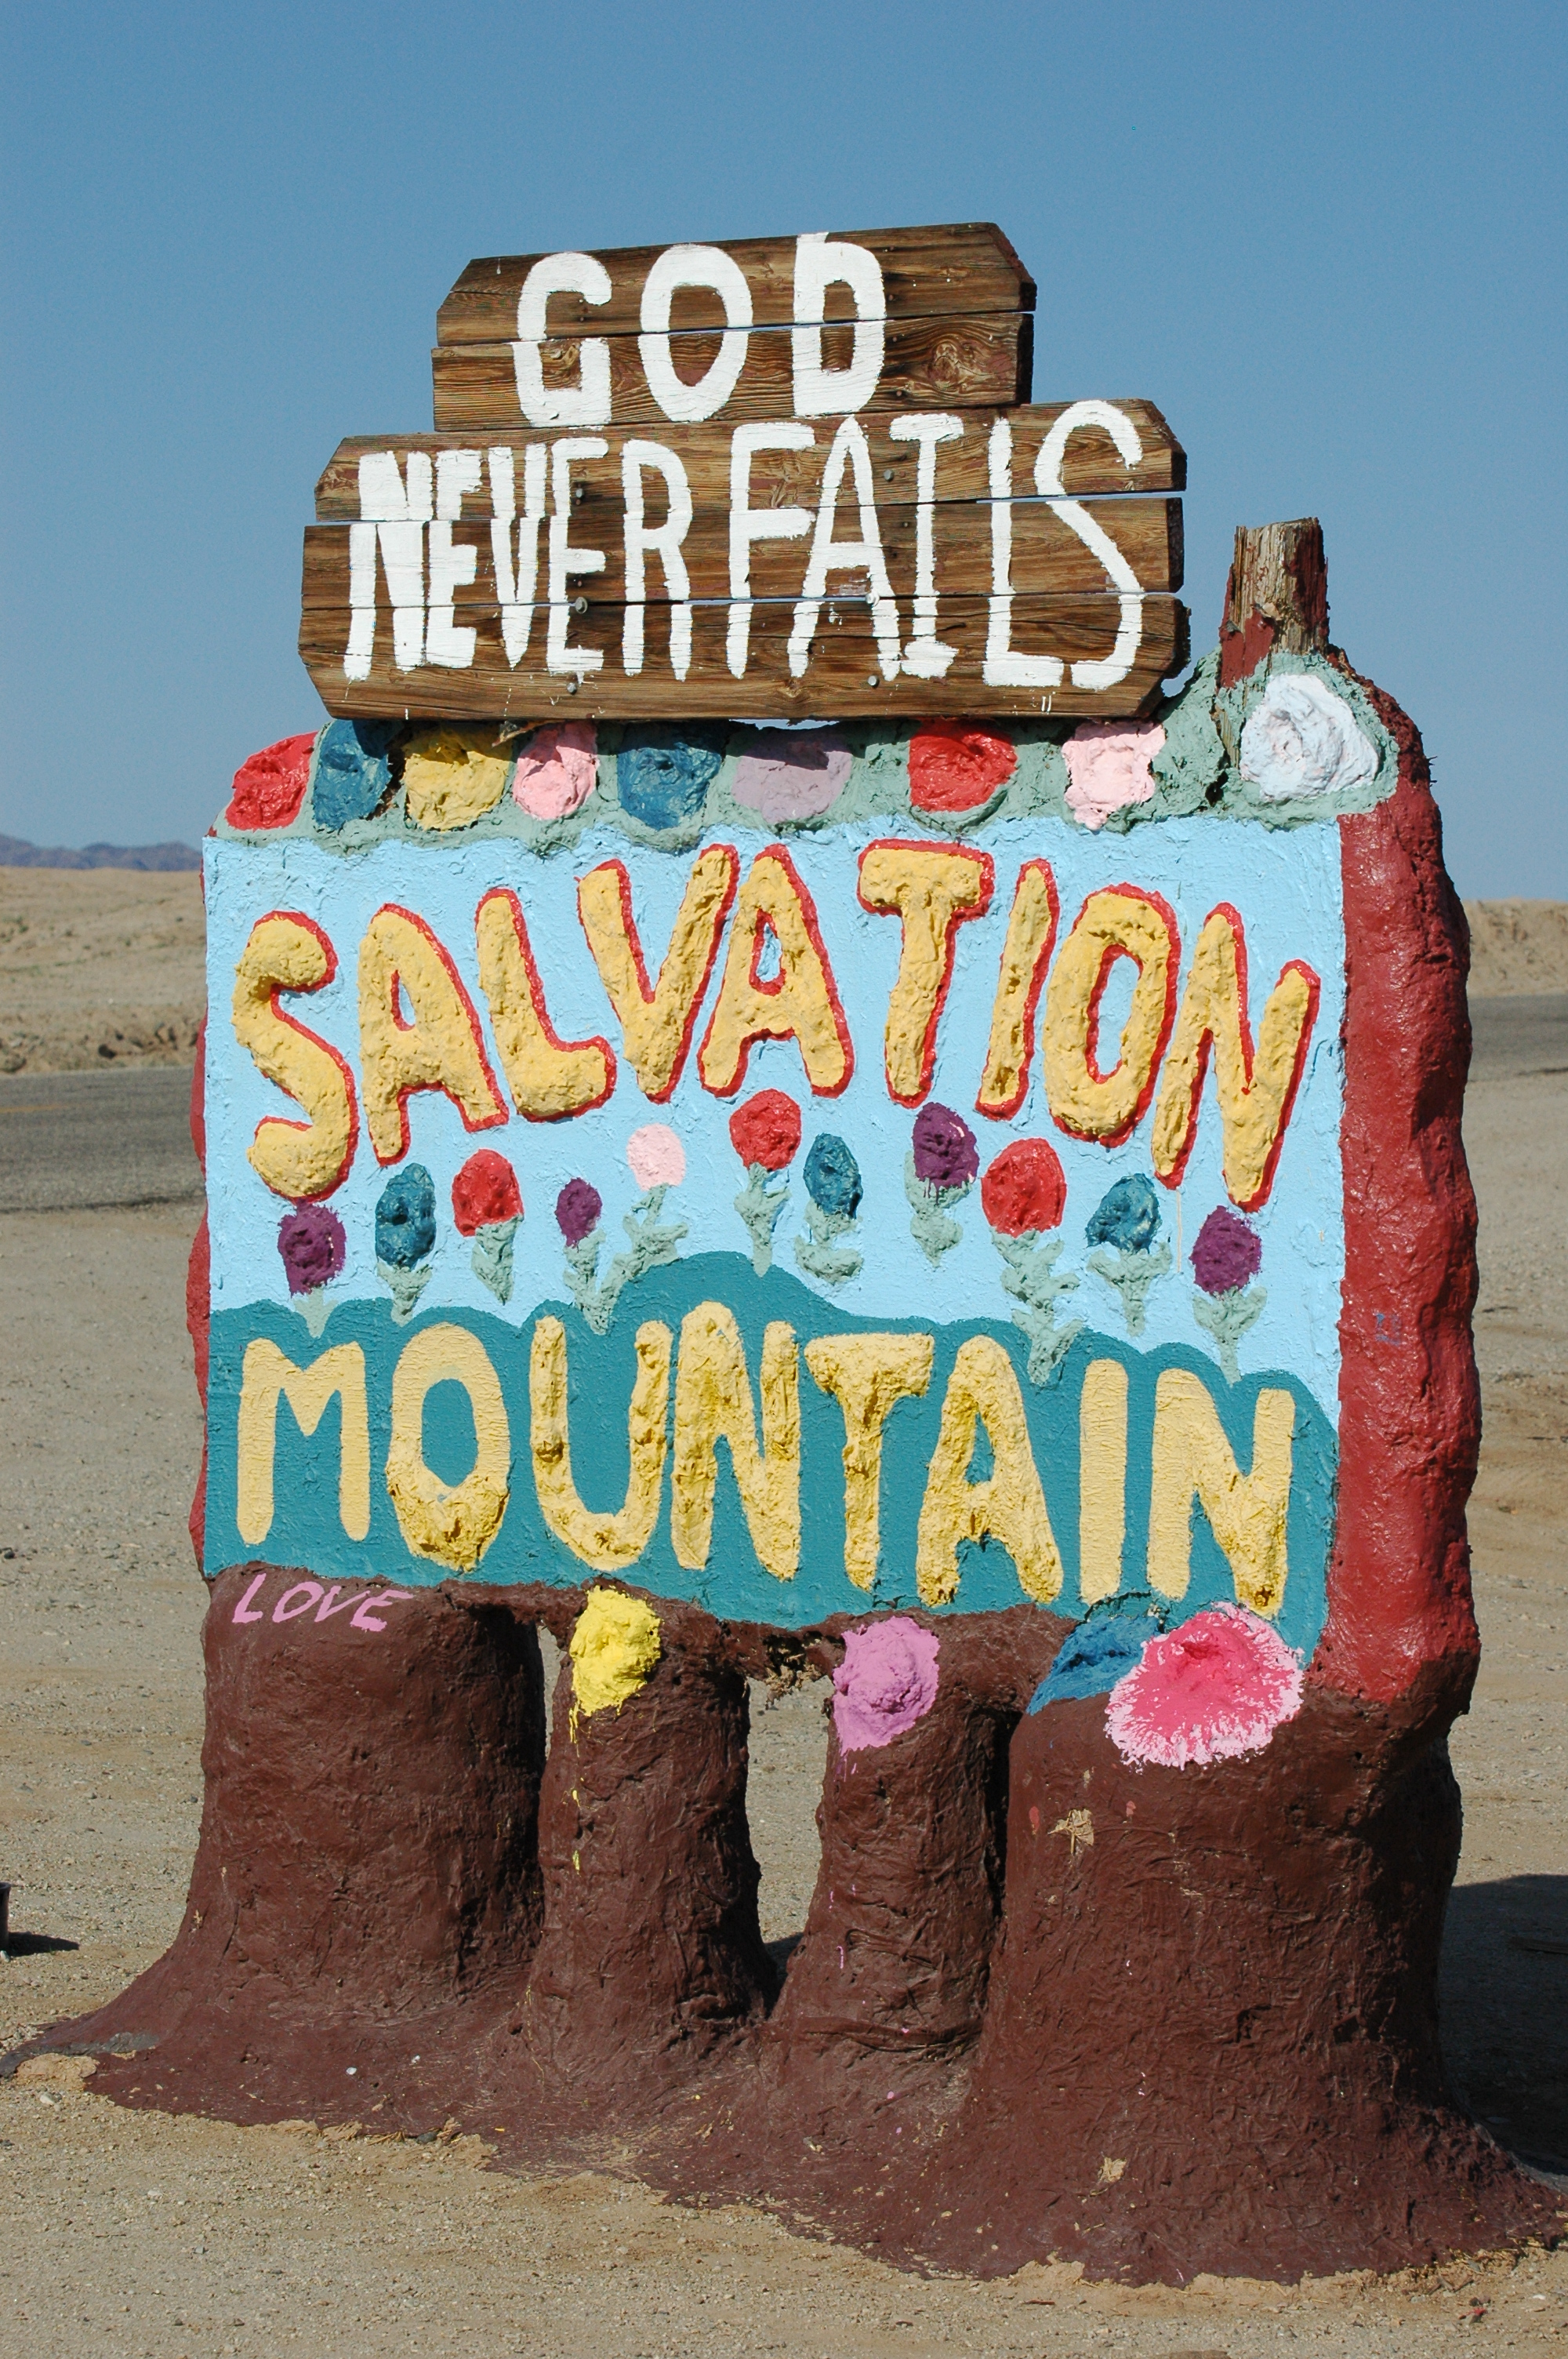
[(1276, 598)]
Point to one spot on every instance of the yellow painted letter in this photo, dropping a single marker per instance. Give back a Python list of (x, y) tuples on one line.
[(1025, 954), (799, 1003), (442, 1049), (454, 1525), (865, 1375), (1255, 1092), (1087, 1101), (1247, 1512), (932, 888), (548, 1078), (657, 1021), (268, 1372), (1102, 1479), (1008, 1505), (607, 1542), (713, 1402), (289, 952)]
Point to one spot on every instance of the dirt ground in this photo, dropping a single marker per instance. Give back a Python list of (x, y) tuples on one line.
[(144, 2237)]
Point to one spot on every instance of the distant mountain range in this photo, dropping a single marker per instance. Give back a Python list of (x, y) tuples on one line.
[(15, 853)]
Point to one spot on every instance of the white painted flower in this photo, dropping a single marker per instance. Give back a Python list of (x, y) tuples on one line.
[(1301, 739)]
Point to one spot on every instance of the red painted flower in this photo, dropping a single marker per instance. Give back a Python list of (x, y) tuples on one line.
[(955, 768), (1024, 1188), (485, 1189), (766, 1130), (269, 789)]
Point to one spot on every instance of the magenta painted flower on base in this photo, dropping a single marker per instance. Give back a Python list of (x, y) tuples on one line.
[(945, 1152), (1228, 1252), (314, 1247), (886, 1682), (1212, 1690), (577, 1208)]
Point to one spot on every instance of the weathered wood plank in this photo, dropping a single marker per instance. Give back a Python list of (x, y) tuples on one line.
[(1090, 464), (843, 675), (948, 362), (949, 266), (1048, 559)]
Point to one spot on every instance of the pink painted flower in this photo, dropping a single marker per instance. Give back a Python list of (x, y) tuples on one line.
[(1212, 1690), (656, 1155), (886, 1682), (787, 777), (556, 770), (1108, 766)]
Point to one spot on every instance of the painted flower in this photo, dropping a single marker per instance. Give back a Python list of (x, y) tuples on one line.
[(577, 1208), (1228, 1252), (944, 1148), (269, 789), (1123, 1229), (663, 773), (487, 1205), (833, 1185), (452, 776), (784, 776), (354, 770), (886, 1682), (1024, 1189), (314, 1247), (1109, 767), (1105, 1646), (1127, 1216), (405, 1218), (556, 770), (1213, 1689), (656, 1156), (485, 1190), (833, 1176), (405, 1235), (955, 768), (766, 1130), (1301, 739)]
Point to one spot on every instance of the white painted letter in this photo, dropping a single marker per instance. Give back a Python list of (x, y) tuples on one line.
[(819, 263), (1097, 671), (925, 657), (587, 402), (862, 556), (694, 266), (1004, 665), (399, 508), (748, 523), (565, 561), (664, 540)]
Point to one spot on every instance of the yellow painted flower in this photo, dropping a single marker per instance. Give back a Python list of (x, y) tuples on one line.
[(613, 1650), (452, 776)]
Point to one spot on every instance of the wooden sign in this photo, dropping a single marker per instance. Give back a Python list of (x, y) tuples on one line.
[(783, 476)]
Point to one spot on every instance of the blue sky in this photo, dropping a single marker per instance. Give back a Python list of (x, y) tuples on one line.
[(1328, 242)]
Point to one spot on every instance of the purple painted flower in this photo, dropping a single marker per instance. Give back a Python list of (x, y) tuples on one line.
[(313, 1246), (945, 1154), (1228, 1252), (577, 1208)]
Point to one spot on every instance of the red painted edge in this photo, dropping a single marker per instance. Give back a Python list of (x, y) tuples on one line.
[(1399, 1582)]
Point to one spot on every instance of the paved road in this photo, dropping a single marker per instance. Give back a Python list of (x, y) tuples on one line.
[(72, 1142), (76, 1141)]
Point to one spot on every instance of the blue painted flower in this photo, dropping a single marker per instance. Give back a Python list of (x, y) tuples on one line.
[(1100, 1651), (405, 1218), (354, 770), (833, 1176), (663, 773), (1128, 1215)]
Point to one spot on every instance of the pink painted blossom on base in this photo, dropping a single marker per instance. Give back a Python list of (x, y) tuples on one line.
[(656, 1155), (1108, 766), (1212, 1690), (886, 1682), (556, 770)]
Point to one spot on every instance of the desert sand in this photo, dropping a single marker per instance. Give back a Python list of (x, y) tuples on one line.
[(138, 2233)]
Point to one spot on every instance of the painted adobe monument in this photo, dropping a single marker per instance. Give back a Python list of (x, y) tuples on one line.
[(776, 1106)]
